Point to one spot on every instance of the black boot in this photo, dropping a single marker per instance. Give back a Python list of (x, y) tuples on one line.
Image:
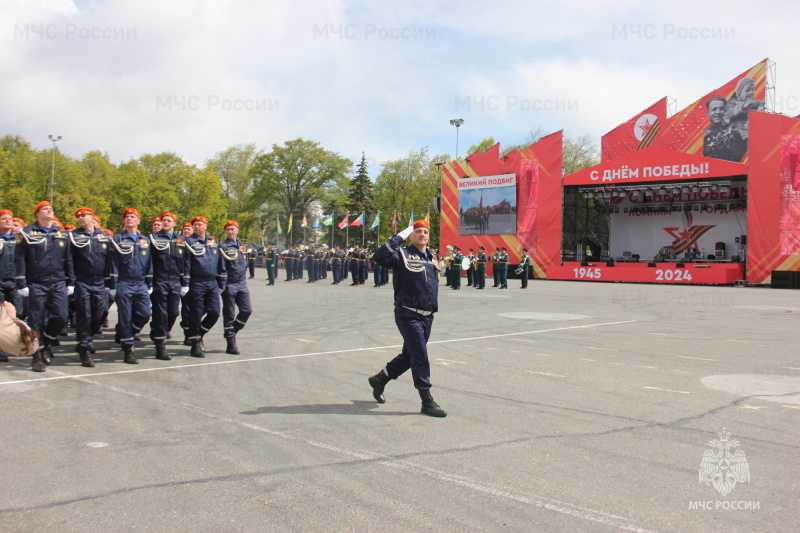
[(197, 349), (429, 407), (129, 357), (378, 383), (38, 365), (46, 355), (161, 350), (3, 357), (233, 348), (86, 359)]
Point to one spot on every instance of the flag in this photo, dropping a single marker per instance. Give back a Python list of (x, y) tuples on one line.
[(394, 222), (289, 224), (345, 222), (411, 219), (376, 221), (359, 221), (428, 217), (328, 220), (316, 223), (305, 223), (278, 220)]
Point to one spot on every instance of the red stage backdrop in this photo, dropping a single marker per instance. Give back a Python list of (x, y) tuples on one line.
[(538, 224), (635, 134), (683, 132), (774, 197)]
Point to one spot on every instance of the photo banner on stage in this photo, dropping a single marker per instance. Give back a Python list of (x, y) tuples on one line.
[(487, 205)]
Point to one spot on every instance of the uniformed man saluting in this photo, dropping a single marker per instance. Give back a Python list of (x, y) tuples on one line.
[(416, 285)]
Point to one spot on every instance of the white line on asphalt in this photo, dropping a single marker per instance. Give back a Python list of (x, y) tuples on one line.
[(668, 390), (333, 352)]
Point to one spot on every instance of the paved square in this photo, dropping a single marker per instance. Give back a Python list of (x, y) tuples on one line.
[(572, 407)]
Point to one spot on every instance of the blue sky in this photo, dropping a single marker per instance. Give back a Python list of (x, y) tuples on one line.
[(131, 77)]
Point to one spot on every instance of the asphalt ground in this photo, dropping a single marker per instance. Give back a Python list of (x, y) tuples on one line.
[(573, 406)]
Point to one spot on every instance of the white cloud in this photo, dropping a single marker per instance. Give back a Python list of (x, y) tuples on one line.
[(131, 77)]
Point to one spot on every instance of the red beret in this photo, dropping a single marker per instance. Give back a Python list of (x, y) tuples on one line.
[(169, 214), (132, 211), (84, 211), (156, 219), (69, 227), (422, 224), (187, 224), (6, 212), (40, 205), (231, 223), (199, 219), (17, 219), (97, 219)]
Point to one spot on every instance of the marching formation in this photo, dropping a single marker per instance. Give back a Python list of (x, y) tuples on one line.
[(53, 274), (314, 261)]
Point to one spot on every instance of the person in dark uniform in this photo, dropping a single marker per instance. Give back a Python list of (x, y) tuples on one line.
[(495, 271), (288, 262), (207, 278), (130, 281), (236, 293), (8, 285), (364, 266), (471, 269), (270, 262), (416, 286), (310, 257), (355, 266), (525, 263), (299, 261), (480, 273), (455, 276), (502, 269), (91, 250), (170, 281), (377, 271), (187, 230), (251, 262), (336, 265), (45, 276)]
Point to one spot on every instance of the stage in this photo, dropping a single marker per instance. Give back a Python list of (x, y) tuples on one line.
[(711, 273)]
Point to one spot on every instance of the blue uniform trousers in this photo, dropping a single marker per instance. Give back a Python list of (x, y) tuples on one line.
[(203, 300), (47, 310), (415, 329), (91, 307), (235, 295), (164, 300), (133, 309), (336, 269)]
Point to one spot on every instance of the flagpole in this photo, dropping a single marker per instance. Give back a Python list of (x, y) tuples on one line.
[(363, 230), (333, 217)]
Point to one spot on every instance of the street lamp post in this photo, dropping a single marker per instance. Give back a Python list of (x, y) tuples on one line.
[(457, 122), (53, 167)]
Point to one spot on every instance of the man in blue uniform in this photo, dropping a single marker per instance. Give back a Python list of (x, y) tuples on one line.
[(91, 249), (236, 293), (130, 281), (310, 258), (8, 285), (187, 230), (207, 278), (45, 276), (355, 266), (336, 265), (170, 282), (416, 286), (524, 263), (502, 269)]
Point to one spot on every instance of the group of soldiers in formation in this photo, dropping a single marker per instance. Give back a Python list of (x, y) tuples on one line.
[(57, 275), (475, 266), (314, 261)]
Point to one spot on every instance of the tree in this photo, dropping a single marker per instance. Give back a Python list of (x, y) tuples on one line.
[(481, 146), (295, 175), (233, 165)]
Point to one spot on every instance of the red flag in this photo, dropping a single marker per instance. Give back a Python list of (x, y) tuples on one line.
[(394, 222), (344, 222), (481, 203)]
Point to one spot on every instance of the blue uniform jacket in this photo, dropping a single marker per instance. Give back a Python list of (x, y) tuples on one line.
[(205, 261), (235, 259), (43, 257), (130, 260), (8, 270), (170, 262), (90, 254), (416, 278)]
